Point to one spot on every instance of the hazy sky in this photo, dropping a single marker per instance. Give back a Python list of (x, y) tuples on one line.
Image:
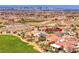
[(45, 6)]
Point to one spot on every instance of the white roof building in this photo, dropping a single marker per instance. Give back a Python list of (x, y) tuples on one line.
[(56, 46)]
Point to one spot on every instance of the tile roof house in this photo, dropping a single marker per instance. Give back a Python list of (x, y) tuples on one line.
[(68, 43), (53, 38)]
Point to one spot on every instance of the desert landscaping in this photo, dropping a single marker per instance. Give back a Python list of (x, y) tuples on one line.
[(39, 31)]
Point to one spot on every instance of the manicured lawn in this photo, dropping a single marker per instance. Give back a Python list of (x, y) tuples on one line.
[(12, 44)]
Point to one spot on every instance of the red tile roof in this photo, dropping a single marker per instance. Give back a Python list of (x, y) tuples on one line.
[(53, 30), (53, 37), (68, 43)]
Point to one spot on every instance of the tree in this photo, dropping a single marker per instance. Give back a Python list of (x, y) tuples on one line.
[(73, 27), (22, 34), (44, 46), (42, 38), (51, 50)]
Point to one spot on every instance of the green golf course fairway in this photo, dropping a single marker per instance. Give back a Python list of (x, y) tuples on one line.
[(13, 44)]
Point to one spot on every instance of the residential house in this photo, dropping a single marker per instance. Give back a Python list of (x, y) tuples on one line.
[(52, 38), (68, 43)]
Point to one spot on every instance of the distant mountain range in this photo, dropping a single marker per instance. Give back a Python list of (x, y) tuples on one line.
[(40, 7)]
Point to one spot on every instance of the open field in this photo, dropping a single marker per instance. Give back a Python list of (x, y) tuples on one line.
[(12, 44)]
